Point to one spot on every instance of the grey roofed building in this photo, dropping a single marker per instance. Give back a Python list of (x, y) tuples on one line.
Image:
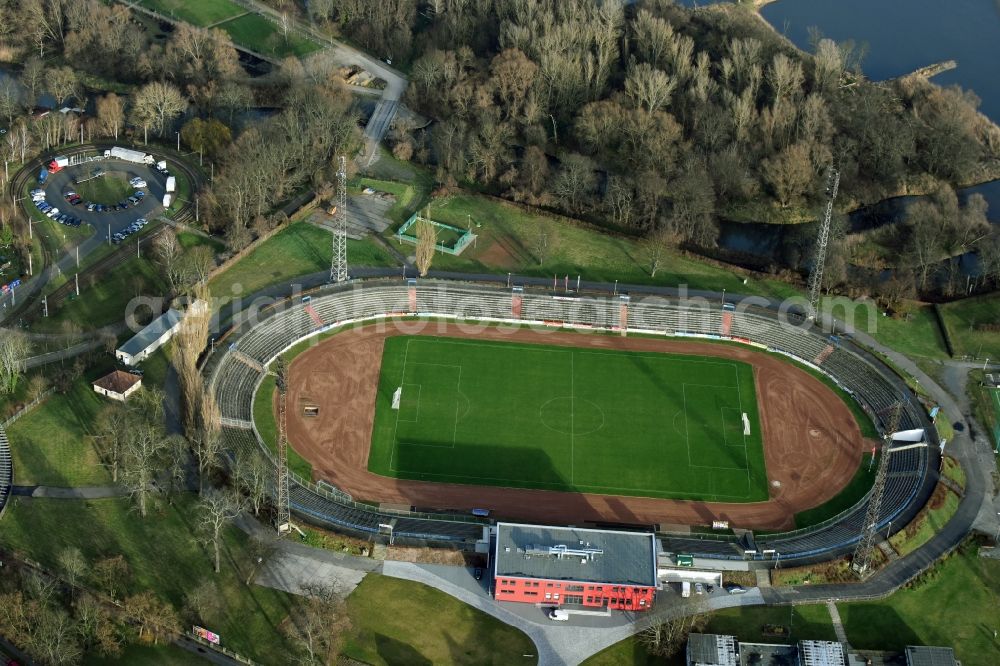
[(576, 554), (711, 650), (920, 655), (821, 653), (149, 339)]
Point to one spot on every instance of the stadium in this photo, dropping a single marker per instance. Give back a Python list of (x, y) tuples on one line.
[(416, 403)]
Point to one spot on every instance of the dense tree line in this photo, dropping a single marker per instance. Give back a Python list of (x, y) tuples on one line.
[(658, 118)]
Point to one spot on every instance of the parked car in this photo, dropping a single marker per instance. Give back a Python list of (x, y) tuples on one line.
[(69, 194), (733, 588), (91, 207), (134, 200), (558, 615), (122, 205), (52, 212), (97, 173), (141, 221), (137, 182), (75, 200), (139, 194), (477, 573), (699, 588)]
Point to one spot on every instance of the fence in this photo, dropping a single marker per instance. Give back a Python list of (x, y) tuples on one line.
[(27, 408)]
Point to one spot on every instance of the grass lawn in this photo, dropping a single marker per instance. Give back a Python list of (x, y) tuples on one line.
[(299, 249), (50, 445), (953, 470), (147, 655), (509, 240), (108, 189), (165, 555), (267, 426), (985, 406), (401, 622), (939, 509), (105, 301), (955, 606), (261, 35), (201, 13), (851, 494), (633, 423), (914, 332), (962, 318)]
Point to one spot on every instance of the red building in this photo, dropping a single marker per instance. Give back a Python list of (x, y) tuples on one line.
[(574, 566)]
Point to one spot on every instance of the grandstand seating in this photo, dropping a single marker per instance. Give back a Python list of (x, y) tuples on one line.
[(875, 387), (6, 470)]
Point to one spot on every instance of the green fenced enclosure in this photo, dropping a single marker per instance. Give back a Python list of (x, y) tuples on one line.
[(994, 395), (450, 239), (564, 418)]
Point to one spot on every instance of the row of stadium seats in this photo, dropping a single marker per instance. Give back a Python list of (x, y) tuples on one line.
[(234, 382), (6, 470)]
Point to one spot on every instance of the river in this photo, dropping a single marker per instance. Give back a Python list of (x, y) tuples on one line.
[(898, 37)]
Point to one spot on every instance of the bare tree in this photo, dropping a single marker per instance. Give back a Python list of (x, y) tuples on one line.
[(63, 84), (169, 252), (251, 474), (151, 615), (54, 637), (190, 341), (664, 637), (73, 564), (14, 350), (208, 445), (648, 87), (319, 623), (203, 600), (110, 114), (156, 104), (216, 511), (426, 233), (112, 574), (145, 446), (657, 248)]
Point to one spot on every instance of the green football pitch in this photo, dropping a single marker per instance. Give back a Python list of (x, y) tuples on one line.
[(564, 418)]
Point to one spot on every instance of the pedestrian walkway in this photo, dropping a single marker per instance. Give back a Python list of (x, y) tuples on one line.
[(838, 625), (85, 492), (763, 577)]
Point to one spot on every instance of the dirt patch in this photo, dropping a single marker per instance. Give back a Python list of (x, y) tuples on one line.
[(426, 555), (812, 445)]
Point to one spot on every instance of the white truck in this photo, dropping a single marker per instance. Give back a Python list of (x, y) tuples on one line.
[(685, 589), (171, 184), (166, 200), (129, 155)]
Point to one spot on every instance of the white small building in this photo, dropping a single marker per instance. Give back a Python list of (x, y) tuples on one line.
[(118, 385), (151, 338)]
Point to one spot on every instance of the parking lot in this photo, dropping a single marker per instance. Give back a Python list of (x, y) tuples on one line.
[(112, 220)]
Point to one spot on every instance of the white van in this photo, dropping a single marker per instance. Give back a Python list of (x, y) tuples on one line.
[(685, 589)]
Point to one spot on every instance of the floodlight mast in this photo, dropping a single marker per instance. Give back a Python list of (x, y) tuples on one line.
[(283, 514), (338, 265), (862, 559), (819, 263)]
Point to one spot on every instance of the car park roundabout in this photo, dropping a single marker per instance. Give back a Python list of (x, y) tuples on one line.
[(117, 197)]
